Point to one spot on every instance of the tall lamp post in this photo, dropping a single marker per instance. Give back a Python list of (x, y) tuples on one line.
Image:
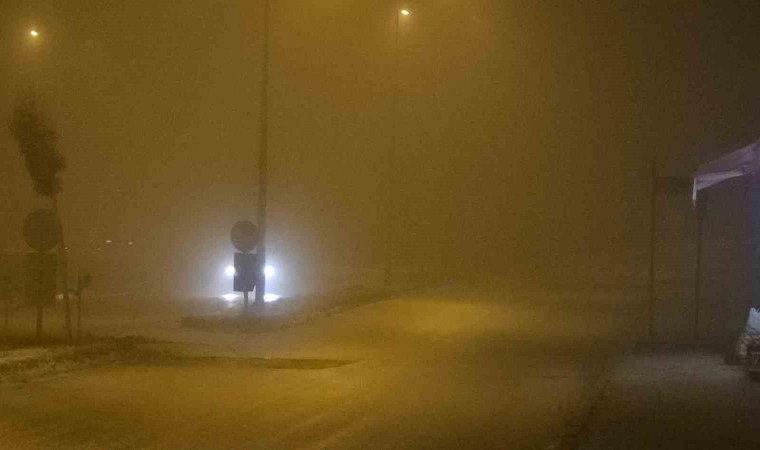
[(34, 36), (652, 246), (263, 149), (390, 239)]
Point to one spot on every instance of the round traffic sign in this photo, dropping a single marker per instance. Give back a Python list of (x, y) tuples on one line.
[(244, 236), (41, 230)]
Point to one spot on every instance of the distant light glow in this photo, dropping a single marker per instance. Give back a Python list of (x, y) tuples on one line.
[(34, 33), (108, 241), (271, 298), (405, 12), (130, 243), (229, 271), (269, 271)]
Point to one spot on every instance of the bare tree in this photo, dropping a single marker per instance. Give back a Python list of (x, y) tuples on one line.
[(37, 142)]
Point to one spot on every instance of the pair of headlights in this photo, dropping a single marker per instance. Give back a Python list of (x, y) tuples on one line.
[(269, 273)]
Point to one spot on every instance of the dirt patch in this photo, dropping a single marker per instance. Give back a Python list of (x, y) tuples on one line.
[(22, 363), (252, 363)]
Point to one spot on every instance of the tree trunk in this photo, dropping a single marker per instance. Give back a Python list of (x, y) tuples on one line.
[(63, 258), (79, 315), (39, 322), (7, 316)]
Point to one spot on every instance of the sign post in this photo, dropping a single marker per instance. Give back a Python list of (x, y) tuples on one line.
[(248, 266)]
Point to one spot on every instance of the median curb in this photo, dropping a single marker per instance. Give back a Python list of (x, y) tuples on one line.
[(286, 312)]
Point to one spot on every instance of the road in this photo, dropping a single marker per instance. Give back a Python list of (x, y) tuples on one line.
[(481, 366)]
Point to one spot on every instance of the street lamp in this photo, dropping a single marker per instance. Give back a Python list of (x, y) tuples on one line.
[(390, 234), (34, 33), (261, 207)]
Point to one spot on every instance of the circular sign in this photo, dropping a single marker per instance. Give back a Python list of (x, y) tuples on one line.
[(41, 230), (244, 236)]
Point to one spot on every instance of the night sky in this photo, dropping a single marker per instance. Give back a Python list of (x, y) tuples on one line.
[(525, 128)]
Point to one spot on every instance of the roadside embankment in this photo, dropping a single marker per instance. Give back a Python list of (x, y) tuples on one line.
[(22, 359)]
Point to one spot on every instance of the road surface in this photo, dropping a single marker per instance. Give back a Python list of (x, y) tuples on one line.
[(461, 367)]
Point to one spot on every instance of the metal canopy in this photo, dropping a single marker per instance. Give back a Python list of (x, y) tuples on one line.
[(735, 164)]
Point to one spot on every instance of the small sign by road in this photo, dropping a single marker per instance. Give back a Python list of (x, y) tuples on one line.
[(244, 236)]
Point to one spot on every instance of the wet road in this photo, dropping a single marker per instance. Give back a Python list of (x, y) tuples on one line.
[(466, 367)]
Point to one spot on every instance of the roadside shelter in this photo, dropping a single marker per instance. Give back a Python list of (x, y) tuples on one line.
[(726, 196)]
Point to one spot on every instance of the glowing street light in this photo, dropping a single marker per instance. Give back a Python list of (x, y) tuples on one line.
[(390, 244), (34, 33)]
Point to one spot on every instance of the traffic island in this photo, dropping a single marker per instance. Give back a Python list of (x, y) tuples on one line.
[(285, 312)]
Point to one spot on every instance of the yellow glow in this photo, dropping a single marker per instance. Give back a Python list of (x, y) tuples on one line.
[(405, 12), (34, 33)]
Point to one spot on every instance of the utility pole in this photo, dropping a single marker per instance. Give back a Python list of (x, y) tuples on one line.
[(263, 150), (701, 211), (389, 179), (652, 240)]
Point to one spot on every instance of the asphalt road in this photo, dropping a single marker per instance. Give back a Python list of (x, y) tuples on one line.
[(463, 367)]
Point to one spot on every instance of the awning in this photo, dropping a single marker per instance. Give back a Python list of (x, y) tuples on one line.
[(735, 164)]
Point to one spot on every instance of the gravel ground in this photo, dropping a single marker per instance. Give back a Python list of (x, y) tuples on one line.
[(676, 398)]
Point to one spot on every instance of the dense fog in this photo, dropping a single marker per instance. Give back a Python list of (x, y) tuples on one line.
[(524, 130)]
